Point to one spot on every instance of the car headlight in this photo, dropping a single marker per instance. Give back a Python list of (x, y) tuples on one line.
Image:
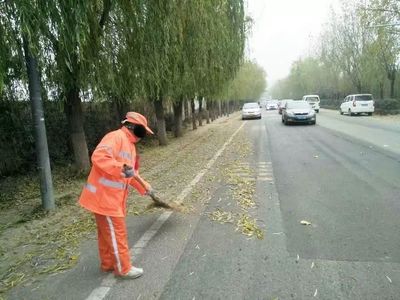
[(290, 114), (311, 113)]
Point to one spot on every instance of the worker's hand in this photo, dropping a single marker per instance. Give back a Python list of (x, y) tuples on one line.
[(127, 171)]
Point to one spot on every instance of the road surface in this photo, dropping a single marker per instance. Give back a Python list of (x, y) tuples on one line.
[(342, 176)]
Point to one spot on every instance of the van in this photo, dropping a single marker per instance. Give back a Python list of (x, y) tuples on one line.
[(358, 104), (313, 100)]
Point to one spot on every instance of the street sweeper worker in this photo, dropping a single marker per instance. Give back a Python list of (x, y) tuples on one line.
[(115, 168)]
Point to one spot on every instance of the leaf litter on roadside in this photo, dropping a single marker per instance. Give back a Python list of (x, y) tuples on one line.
[(221, 217), (240, 177), (46, 244), (248, 226)]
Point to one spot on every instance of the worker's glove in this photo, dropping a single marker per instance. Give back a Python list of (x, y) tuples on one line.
[(128, 171)]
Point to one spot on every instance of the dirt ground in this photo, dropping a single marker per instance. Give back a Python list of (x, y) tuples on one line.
[(35, 243)]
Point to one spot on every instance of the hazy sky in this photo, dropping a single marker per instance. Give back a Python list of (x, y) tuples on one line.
[(283, 31)]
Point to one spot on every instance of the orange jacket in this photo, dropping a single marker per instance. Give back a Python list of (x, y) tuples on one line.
[(106, 191)]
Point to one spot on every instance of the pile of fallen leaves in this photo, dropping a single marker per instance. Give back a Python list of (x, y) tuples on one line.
[(242, 189), (248, 226), (222, 216)]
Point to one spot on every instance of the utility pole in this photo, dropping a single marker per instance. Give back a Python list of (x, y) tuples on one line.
[(42, 151)]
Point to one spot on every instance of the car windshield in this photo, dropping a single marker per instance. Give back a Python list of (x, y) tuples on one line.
[(312, 99), (251, 106), (364, 97), (297, 104)]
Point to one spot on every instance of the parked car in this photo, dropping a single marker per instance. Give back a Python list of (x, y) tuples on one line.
[(272, 105), (251, 110), (298, 112), (282, 104), (313, 100), (358, 104)]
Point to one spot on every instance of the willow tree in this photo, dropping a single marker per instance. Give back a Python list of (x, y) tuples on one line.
[(73, 31), (249, 83), (157, 32), (116, 70), (215, 33), (21, 27), (229, 28), (383, 15)]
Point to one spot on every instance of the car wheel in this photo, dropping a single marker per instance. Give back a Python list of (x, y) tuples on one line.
[(283, 121), (350, 113), (314, 122), (370, 114), (317, 111), (340, 111)]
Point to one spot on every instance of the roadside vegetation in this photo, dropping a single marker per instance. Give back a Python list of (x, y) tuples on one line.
[(358, 51), (180, 63)]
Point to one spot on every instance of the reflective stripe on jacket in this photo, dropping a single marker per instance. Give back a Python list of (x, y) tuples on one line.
[(106, 191)]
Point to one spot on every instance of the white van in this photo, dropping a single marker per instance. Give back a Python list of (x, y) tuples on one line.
[(357, 104), (313, 100)]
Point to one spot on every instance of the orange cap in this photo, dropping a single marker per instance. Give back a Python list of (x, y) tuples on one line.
[(136, 118)]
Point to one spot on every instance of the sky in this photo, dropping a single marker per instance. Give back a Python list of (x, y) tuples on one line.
[(283, 31)]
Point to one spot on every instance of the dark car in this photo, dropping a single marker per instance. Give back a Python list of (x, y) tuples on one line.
[(298, 112), (281, 105)]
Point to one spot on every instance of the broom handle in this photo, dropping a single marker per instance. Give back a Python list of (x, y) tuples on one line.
[(141, 182)]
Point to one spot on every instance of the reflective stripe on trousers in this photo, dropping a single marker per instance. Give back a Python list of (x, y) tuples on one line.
[(114, 243)]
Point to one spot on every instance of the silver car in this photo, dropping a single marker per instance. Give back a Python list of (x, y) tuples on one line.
[(298, 112), (251, 110)]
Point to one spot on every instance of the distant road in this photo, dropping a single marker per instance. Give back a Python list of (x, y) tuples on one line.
[(377, 130)]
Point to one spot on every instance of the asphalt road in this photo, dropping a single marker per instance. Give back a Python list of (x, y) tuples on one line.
[(344, 181)]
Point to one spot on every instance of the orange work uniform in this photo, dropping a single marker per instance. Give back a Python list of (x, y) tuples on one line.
[(105, 194)]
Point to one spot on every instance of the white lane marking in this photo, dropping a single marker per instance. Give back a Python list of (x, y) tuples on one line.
[(101, 292), (98, 293)]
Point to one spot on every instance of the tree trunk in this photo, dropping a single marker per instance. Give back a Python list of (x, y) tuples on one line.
[(381, 89), (186, 109), (193, 114), (161, 129), (392, 79), (359, 87), (42, 151), (212, 111), (119, 109), (74, 113), (200, 111), (208, 108), (178, 132), (219, 109)]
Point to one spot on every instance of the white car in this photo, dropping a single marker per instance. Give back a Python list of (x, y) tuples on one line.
[(313, 100), (251, 110), (272, 105), (357, 104)]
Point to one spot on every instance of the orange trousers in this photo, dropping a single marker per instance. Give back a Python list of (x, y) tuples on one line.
[(113, 244)]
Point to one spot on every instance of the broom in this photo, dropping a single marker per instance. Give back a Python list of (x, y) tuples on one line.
[(158, 201)]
